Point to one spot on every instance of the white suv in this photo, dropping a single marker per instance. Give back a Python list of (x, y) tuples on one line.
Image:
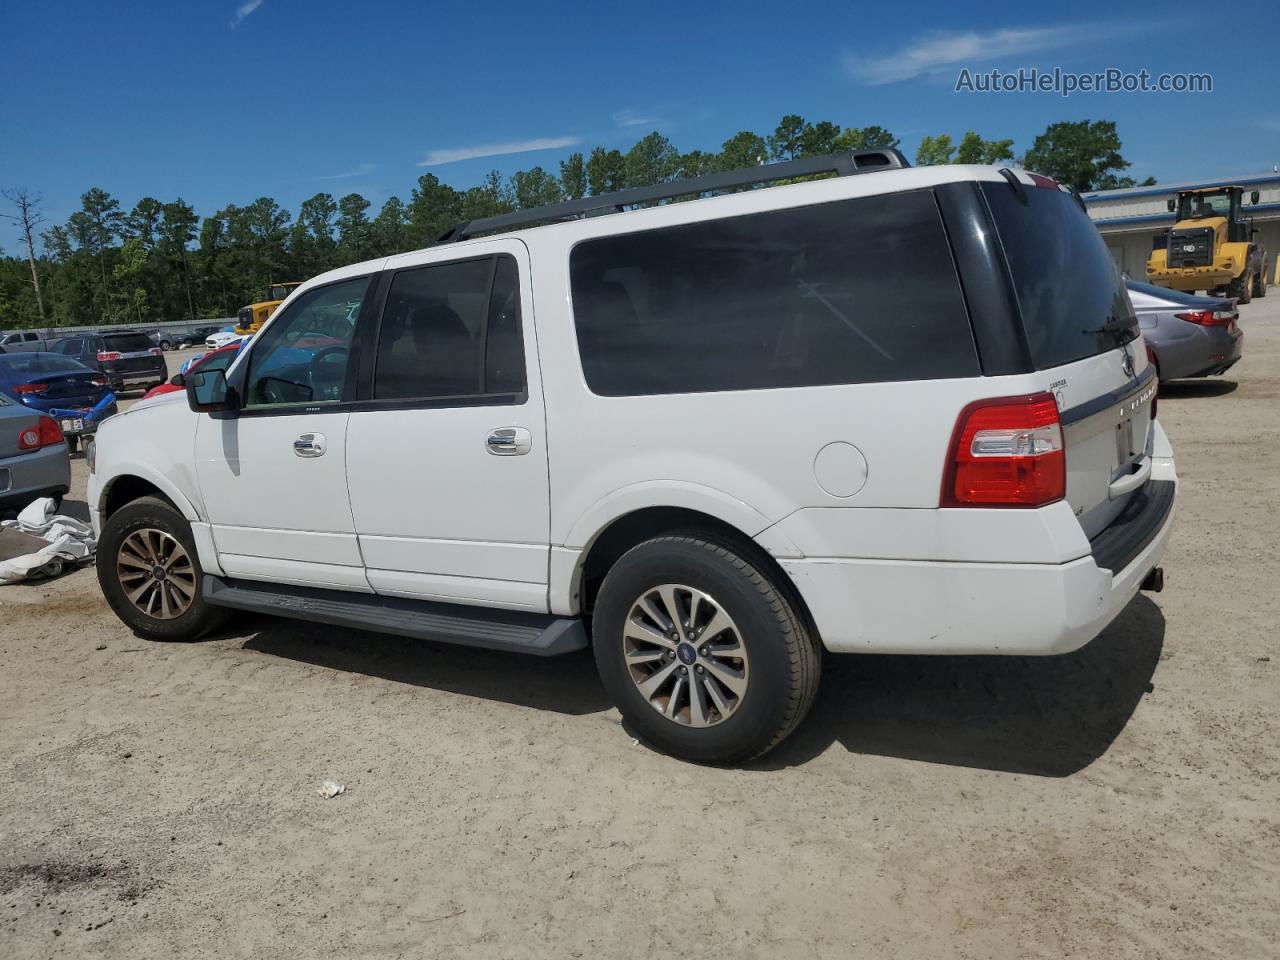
[(894, 410)]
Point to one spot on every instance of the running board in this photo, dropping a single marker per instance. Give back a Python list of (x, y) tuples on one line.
[(539, 634)]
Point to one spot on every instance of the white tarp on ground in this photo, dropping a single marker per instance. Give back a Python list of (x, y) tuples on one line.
[(69, 542)]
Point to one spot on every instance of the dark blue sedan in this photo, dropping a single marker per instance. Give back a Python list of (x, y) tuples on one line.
[(48, 381)]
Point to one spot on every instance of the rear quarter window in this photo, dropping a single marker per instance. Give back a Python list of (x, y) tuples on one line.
[(1070, 292), (855, 291)]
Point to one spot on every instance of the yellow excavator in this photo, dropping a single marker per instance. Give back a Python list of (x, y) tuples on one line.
[(251, 318), (1210, 246)]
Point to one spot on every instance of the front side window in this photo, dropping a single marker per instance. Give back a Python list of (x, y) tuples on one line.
[(302, 357), (451, 330), (855, 291)]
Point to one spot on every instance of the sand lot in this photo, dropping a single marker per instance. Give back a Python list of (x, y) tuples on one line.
[(159, 801)]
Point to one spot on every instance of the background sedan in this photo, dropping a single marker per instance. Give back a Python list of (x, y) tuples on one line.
[(33, 456), (1189, 336)]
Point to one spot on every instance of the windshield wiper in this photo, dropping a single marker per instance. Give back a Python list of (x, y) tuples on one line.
[(1120, 330)]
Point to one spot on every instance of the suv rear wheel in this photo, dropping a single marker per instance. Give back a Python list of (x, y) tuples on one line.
[(704, 656), (150, 573)]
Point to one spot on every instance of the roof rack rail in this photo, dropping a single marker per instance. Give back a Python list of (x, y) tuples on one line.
[(841, 164)]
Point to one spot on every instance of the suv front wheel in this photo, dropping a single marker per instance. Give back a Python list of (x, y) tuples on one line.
[(150, 573), (703, 655)]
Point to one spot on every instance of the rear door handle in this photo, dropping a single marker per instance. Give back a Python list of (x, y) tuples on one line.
[(509, 441), (309, 445)]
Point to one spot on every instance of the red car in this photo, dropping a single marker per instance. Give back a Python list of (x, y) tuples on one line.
[(218, 359)]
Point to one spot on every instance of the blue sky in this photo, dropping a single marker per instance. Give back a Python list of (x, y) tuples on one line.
[(221, 103)]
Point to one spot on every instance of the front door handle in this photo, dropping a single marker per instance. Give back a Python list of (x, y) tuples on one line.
[(309, 445), (509, 441)]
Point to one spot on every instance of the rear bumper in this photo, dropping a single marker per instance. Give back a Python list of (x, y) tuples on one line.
[(1025, 609), (1206, 352), (44, 473), (124, 378)]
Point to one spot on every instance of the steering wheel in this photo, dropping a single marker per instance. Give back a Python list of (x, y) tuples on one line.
[(322, 381)]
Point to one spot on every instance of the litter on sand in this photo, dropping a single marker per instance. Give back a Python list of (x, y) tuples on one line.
[(68, 543), (329, 789)]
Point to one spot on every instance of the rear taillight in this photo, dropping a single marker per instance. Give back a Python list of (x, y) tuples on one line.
[(45, 434), (50, 432), (1006, 452), (98, 381), (31, 388), (1209, 318), (156, 352), (106, 355)]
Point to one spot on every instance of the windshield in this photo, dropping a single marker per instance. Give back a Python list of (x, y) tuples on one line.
[(1072, 298), (37, 364), (1197, 206)]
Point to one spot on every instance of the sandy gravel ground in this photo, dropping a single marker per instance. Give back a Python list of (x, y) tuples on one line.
[(159, 801)]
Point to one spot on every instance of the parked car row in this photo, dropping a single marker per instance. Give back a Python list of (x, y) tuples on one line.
[(30, 341)]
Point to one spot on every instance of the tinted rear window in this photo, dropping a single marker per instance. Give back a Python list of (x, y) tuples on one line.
[(128, 342), (855, 291), (1070, 292)]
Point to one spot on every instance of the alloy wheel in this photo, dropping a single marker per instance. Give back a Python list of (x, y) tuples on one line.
[(685, 655), (156, 573)]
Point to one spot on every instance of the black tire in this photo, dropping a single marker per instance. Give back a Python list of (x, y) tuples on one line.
[(73, 444), (153, 513), (1260, 283), (166, 345), (784, 656), (1241, 288)]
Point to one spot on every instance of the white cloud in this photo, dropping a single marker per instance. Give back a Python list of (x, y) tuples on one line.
[(941, 49), (244, 10), (362, 170), (435, 158), (631, 118)]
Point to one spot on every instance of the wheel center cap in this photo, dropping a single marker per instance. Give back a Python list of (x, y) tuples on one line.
[(157, 572), (686, 653)]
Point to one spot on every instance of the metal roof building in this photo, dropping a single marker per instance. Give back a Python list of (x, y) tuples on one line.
[(1130, 219)]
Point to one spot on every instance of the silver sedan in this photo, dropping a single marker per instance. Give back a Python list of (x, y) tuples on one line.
[(33, 456), (1190, 336)]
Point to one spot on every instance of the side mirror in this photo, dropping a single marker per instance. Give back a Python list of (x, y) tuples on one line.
[(178, 380), (207, 392), (1173, 204)]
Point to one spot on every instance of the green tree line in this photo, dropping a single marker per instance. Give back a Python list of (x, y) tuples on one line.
[(160, 261)]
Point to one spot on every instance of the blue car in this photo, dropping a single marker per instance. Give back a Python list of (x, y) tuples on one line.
[(50, 381)]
